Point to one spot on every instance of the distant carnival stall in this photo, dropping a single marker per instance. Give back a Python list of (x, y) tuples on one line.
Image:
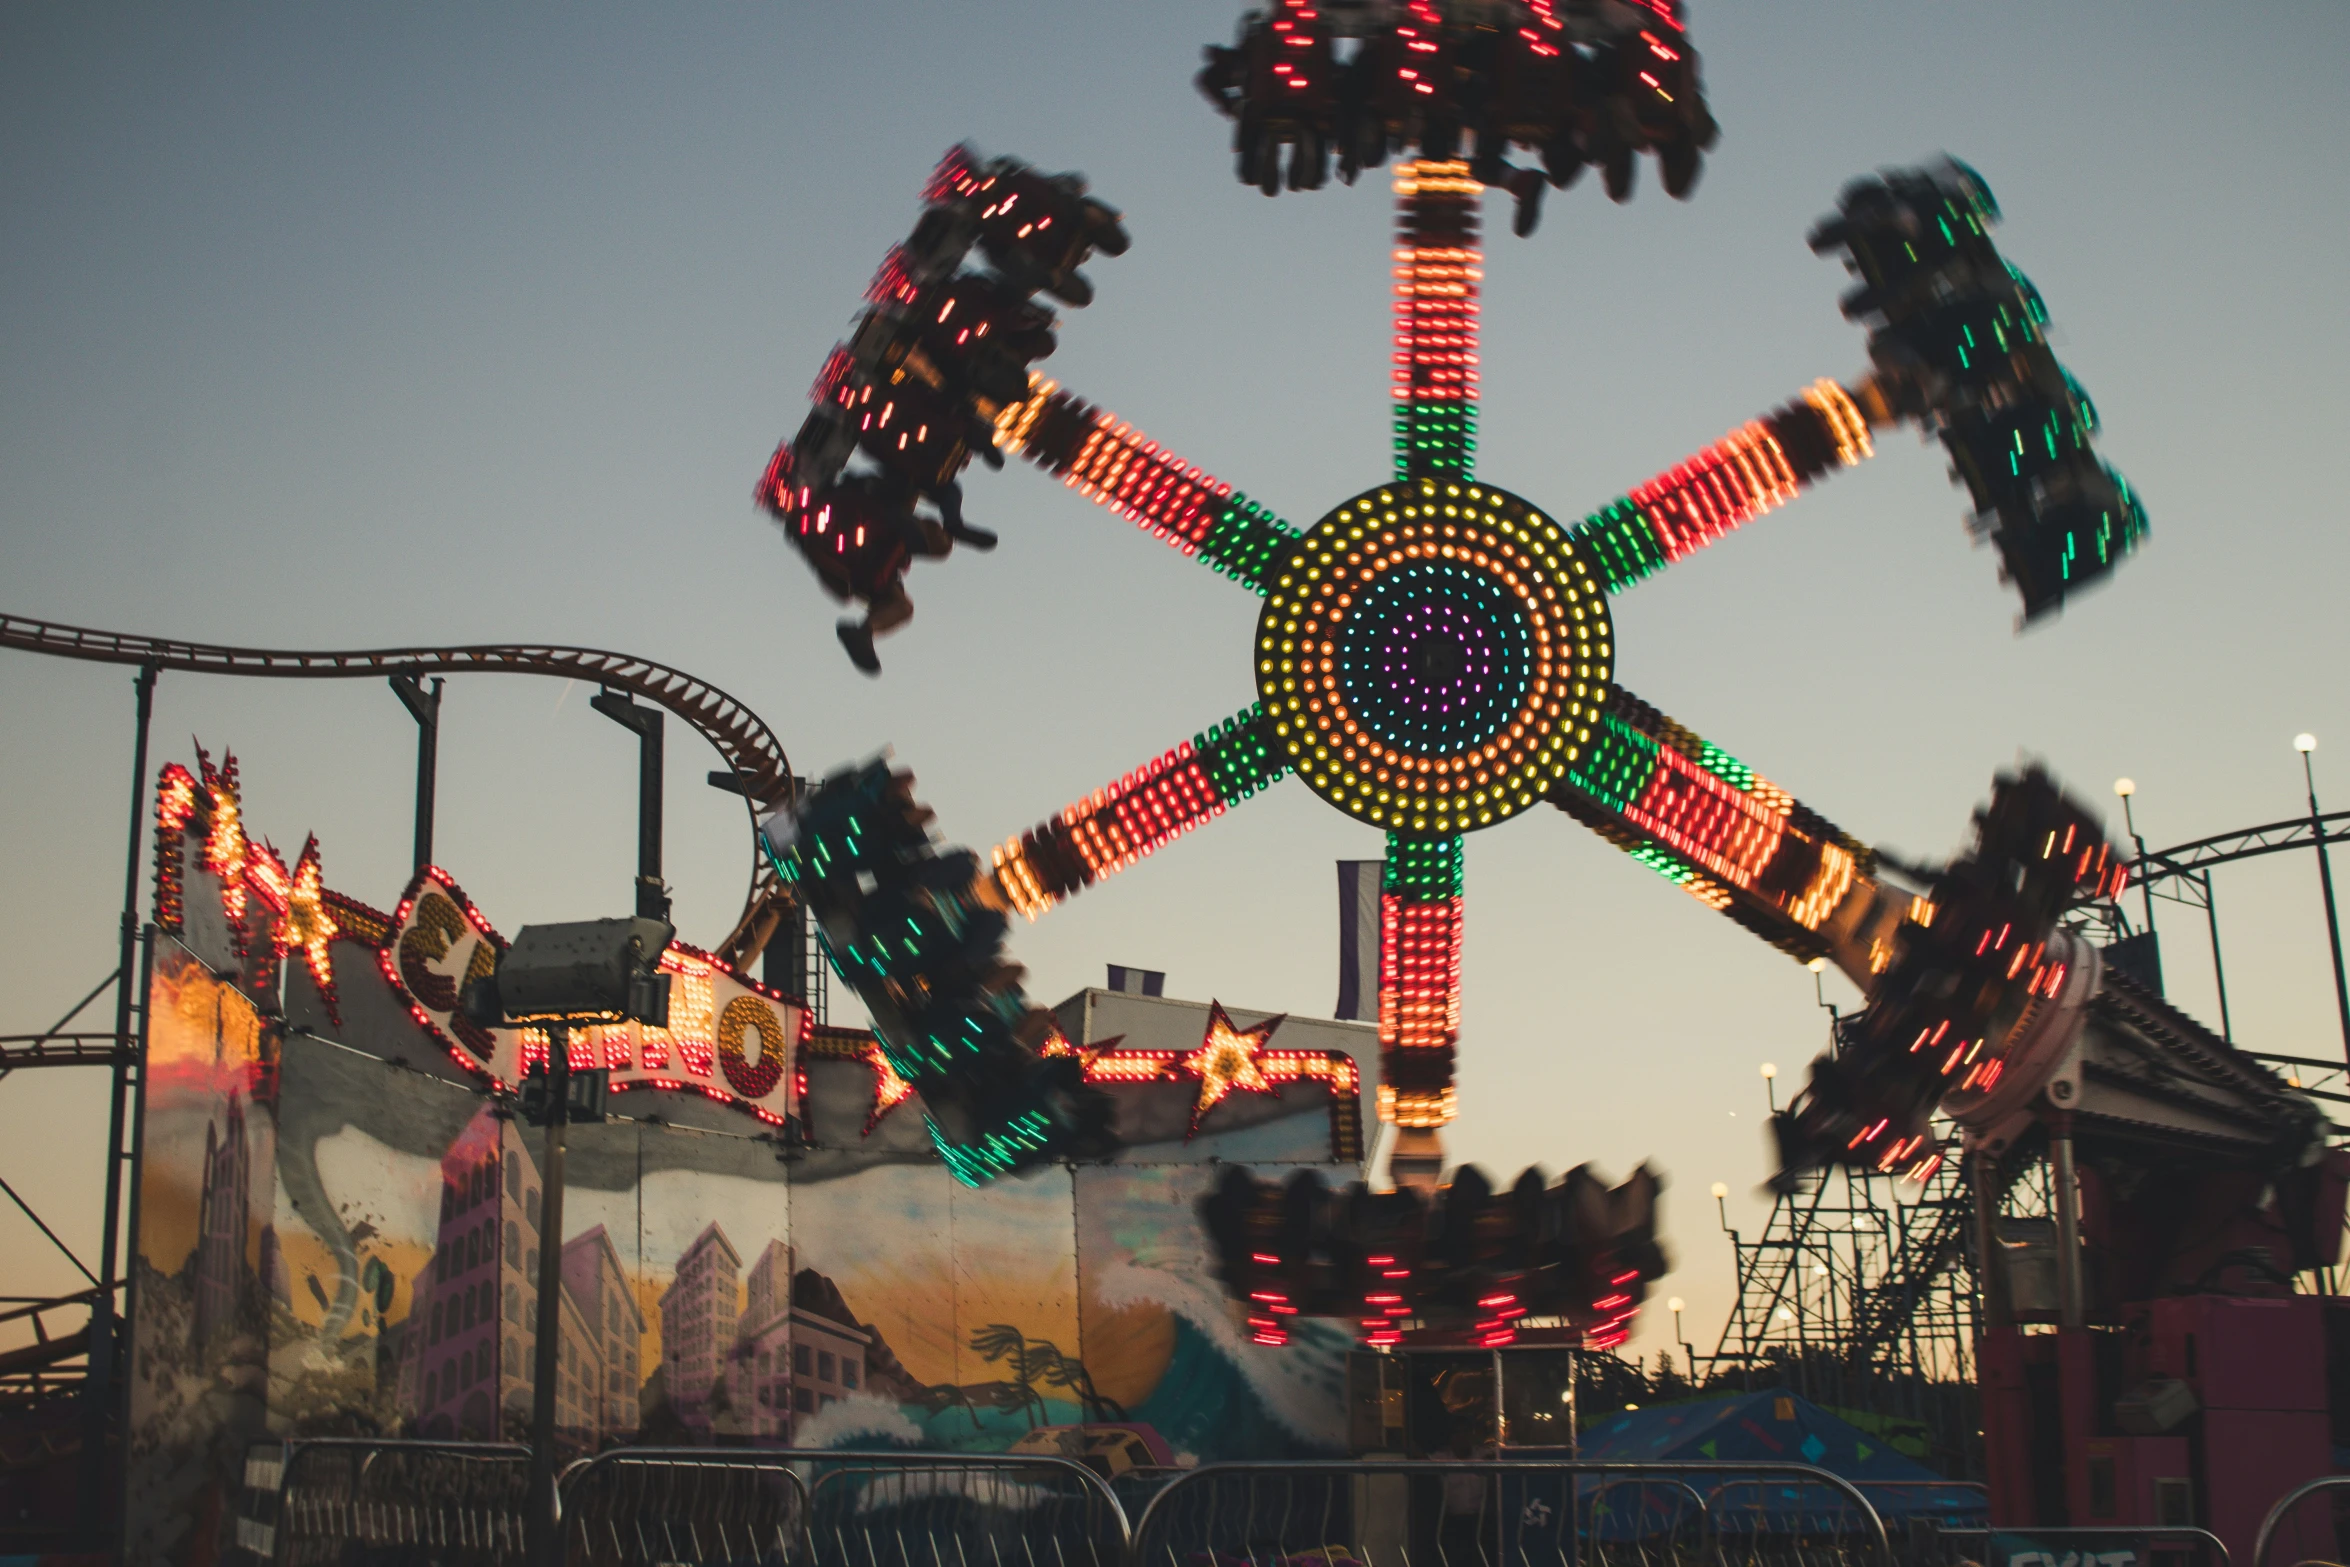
[(337, 1222)]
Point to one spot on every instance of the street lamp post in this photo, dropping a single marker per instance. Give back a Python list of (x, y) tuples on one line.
[(1688, 1351), (2127, 788), (2306, 743)]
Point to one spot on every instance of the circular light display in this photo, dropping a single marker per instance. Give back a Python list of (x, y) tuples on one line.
[(1433, 654)]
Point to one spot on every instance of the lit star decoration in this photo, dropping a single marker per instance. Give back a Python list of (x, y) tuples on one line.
[(302, 921), (1229, 1058), (224, 841), (889, 1089)]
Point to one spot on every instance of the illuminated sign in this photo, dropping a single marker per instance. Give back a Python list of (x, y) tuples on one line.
[(729, 1038)]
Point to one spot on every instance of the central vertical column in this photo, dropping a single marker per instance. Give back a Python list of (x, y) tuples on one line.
[(1419, 1000), (1438, 266)]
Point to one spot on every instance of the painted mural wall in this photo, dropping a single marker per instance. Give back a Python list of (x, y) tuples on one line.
[(340, 1228), (719, 1287)]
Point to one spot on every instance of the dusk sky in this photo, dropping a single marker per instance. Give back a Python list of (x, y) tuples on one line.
[(346, 327)]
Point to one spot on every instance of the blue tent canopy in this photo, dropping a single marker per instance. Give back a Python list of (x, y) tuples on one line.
[(1777, 1426)]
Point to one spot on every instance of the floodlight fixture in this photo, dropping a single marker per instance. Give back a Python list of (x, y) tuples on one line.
[(2125, 787), (587, 971), (2305, 742)]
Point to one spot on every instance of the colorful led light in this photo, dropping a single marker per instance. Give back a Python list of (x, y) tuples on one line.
[(1432, 656), (1140, 813), (1438, 266), (1228, 1059), (1110, 463), (1756, 468), (1713, 826)]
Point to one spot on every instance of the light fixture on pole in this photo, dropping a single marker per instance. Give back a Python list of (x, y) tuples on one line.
[(559, 977), (1770, 1073), (2306, 743), (2126, 789), (1688, 1352)]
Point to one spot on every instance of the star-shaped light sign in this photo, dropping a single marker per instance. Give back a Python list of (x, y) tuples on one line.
[(1229, 1058), (299, 919), (889, 1089)]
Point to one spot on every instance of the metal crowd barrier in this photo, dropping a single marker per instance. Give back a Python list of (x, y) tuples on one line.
[(1965, 1503), (1509, 1513), (638, 1507), (2325, 1540), (2143, 1545), (363, 1503), (359, 1502)]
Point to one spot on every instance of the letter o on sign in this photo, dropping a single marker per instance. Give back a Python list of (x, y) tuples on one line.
[(748, 1014)]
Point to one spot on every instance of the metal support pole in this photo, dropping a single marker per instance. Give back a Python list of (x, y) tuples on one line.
[(2071, 1307), (104, 1324), (2219, 974), (2145, 882), (1998, 1298), (546, 1363), (652, 900), (2325, 878), (425, 707)]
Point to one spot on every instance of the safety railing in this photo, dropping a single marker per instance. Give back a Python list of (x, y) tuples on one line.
[(2303, 1528), (1510, 1513), (634, 1507), (2120, 1545), (1955, 1504), (354, 1501), (631, 1506), (357, 1502)]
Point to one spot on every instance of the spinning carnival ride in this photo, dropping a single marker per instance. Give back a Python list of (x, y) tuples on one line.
[(1435, 654)]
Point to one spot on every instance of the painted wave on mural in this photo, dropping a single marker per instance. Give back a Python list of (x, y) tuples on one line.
[(1220, 1392)]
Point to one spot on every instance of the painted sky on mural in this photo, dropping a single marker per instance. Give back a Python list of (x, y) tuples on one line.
[(352, 328)]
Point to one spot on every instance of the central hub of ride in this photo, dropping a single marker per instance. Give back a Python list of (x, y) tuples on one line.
[(1433, 654)]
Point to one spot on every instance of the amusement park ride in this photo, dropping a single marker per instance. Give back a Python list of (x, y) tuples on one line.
[(1435, 656)]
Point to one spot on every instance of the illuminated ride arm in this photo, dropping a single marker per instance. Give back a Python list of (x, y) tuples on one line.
[(1732, 839), (1115, 826), (1111, 463), (1756, 468)]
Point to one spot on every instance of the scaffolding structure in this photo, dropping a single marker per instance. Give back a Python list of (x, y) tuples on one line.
[(1860, 1295)]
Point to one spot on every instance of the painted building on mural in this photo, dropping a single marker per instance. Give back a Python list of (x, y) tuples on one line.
[(759, 1365), (222, 1215), (699, 1311), (596, 1282)]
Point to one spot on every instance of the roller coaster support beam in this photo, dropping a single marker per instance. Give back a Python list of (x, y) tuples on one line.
[(652, 899), (2325, 880), (425, 707), (99, 1396)]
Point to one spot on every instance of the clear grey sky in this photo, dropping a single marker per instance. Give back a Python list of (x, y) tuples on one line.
[(354, 326)]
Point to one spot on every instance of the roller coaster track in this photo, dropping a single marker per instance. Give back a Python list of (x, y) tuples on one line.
[(2248, 843), (23, 1050), (761, 772)]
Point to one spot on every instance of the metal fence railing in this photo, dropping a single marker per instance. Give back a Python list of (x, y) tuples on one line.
[(636, 1507), (1510, 1513), (360, 1502), (2311, 1523), (364, 1503), (2120, 1545)]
